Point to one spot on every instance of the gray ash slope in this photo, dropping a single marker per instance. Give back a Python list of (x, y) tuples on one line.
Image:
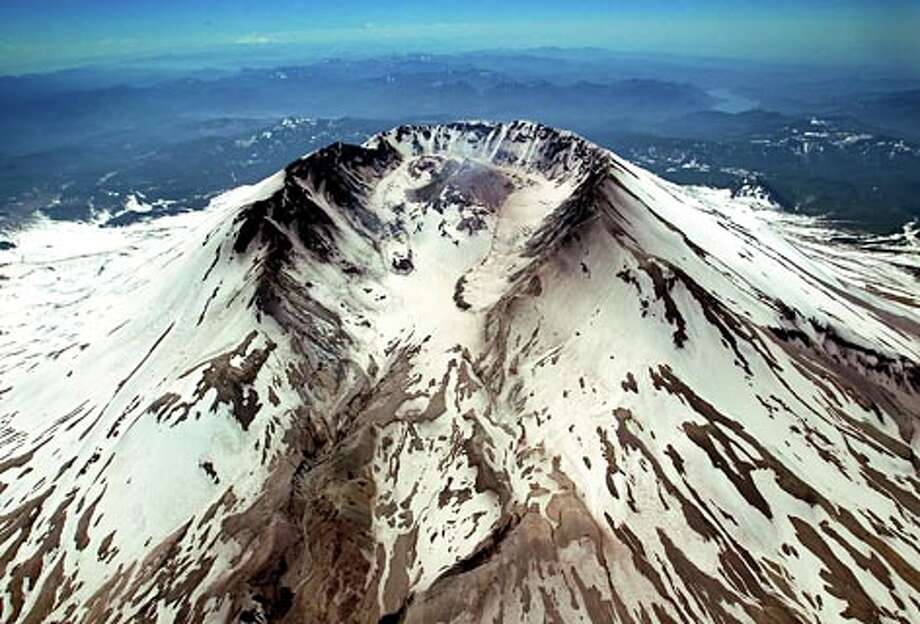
[(466, 372)]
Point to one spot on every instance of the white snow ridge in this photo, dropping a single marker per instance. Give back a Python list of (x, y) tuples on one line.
[(462, 373)]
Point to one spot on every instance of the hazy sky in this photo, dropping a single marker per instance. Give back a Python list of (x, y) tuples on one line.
[(43, 34)]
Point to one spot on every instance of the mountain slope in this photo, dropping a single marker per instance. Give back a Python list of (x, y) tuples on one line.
[(468, 372)]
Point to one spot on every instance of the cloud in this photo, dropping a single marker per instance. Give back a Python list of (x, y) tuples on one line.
[(256, 39)]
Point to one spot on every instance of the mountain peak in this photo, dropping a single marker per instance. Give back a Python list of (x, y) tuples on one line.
[(519, 144), (462, 372)]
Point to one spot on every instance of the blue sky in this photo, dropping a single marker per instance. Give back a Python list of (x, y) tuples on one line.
[(44, 34)]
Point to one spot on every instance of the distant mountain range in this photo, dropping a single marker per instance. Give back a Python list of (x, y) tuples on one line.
[(79, 143)]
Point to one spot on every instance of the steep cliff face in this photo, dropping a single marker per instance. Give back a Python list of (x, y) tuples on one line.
[(466, 372)]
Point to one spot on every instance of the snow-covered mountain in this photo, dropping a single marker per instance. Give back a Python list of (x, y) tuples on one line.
[(465, 373)]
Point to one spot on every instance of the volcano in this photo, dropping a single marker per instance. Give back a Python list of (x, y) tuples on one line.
[(468, 372)]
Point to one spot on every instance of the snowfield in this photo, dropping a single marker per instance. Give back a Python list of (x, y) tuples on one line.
[(468, 372)]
